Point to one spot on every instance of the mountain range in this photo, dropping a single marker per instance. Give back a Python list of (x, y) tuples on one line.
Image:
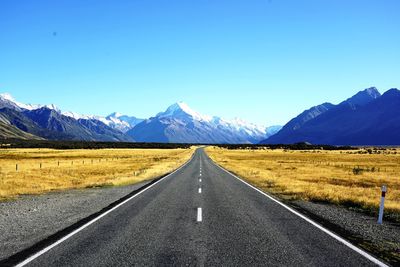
[(367, 118), (179, 124)]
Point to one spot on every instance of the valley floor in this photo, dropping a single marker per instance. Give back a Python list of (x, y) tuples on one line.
[(351, 177), (37, 171)]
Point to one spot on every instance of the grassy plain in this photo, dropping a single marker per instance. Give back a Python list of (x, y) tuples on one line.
[(350, 178), (35, 171)]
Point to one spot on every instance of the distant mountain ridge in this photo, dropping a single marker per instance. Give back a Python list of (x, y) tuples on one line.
[(367, 118), (179, 123), (48, 122), (6, 100)]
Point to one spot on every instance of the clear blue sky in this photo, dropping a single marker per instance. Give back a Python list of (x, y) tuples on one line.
[(264, 61)]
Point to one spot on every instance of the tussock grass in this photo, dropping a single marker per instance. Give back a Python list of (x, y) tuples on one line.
[(350, 178), (44, 170)]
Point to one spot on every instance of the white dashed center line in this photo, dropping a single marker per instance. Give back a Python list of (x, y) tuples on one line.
[(199, 210), (199, 215)]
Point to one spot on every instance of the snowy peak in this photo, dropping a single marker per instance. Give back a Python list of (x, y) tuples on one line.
[(6, 97), (115, 115), (110, 121), (51, 106), (373, 92), (181, 106), (363, 97), (123, 122), (7, 101), (180, 110), (73, 115), (240, 125)]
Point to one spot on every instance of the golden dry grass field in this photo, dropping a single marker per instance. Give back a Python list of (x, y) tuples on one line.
[(44, 170), (351, 178)]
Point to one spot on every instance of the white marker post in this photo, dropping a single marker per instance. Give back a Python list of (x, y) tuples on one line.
[(384, 189)]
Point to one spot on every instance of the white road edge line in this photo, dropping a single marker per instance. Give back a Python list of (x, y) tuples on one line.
[(199, 215), (41, 252), (335, 236)]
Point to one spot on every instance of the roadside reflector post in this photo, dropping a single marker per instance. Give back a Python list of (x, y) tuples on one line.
[(16, 167), (381, 206), (40, 165)]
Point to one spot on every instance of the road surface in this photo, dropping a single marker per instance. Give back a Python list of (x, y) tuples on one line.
[(200, 216)]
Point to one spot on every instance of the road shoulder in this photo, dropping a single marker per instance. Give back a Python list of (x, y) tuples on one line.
[(33, 218), (360, 229)]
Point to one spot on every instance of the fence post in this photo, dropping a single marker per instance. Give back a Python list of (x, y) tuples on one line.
[(381, 206), (16, 167), (40, 165)]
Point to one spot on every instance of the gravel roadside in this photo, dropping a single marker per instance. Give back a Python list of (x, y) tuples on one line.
[(362, 229), (32, 218)]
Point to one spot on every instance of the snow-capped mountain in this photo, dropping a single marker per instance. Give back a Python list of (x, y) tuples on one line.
[(48, 122), (112, 122), (178, 123), (181, 124), (122, 122), (6, 98), (182, 110), (117, 121)]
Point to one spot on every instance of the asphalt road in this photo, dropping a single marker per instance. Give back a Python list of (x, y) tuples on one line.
[(227, 223)]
